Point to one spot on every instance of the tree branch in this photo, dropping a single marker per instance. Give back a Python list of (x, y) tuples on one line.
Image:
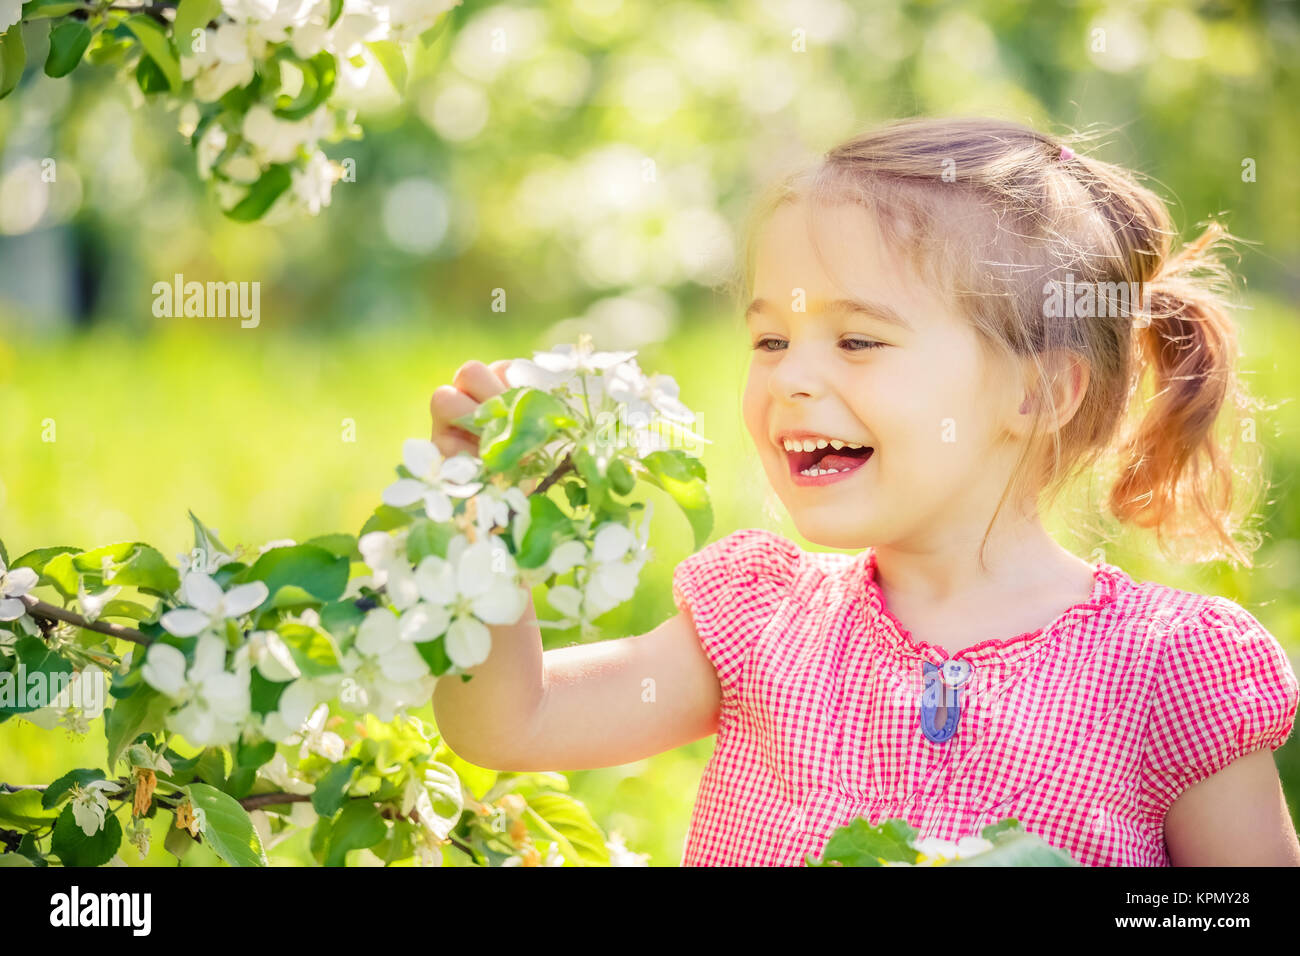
[(562, 469), (49, 612)]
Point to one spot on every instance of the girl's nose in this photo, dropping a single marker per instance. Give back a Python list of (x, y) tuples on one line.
[(794, 378)]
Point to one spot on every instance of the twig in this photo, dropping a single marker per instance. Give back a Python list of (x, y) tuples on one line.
[(564, 467), (49, 612)]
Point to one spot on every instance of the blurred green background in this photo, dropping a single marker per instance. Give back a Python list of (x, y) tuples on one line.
[(598, 171)]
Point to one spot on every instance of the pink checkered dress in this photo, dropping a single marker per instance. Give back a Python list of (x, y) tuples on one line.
[(1085, 731)]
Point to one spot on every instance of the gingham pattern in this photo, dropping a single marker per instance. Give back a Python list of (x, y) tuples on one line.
[(1085, 731)]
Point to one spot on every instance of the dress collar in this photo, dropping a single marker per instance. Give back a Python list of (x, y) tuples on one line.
[(1108, 581)]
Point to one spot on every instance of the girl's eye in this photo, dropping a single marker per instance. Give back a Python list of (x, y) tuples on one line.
[(858, 345), (769, 343)]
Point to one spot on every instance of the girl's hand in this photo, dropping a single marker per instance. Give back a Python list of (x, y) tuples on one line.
[(473, 384)]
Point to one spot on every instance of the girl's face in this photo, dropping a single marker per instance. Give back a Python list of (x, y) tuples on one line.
[(884, 362)]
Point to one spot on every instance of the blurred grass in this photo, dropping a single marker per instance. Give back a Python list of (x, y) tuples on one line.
[(246, 427)]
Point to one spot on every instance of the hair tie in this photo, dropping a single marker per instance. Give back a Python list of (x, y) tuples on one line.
[(1066, 153)]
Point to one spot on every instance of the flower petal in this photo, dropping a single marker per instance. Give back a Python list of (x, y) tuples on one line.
[(404, 492), (164, 668), (612, 542), (421, 457), (423, 622), (19, 581), (468, 642), (378, 632), (185, 621), (200, 591), (242, 598)]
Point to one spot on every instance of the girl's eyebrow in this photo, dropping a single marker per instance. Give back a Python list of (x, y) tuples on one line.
[(871, 310)]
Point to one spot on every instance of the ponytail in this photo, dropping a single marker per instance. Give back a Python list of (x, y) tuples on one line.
[(1175, 475)]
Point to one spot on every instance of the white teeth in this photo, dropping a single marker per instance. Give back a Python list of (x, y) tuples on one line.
[(814, 444), (814, 471)]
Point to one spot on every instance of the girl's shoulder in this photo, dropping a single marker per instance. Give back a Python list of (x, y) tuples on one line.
[(1187, 617), (1223, 685)]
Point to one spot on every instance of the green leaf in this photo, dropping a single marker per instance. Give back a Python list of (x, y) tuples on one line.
[(341, 619), (390, 57), (192, 15), (42, 9), (141, 713), (386, 518), (264, 695), (336, 7), (339, 545), (546, 522), (73, 848), (683, 478), (211, 768), (428, 537), (68, 41), (128, 609), (150, 77), (14, 859), (331, 788), (38, 559), (621, 478), (534, 418), (262, 194), (34, 656), (13, 57), (227, 827), (319, 573), (573, 821), (435, 655), (155, 42), (178, 842), (206, 541), (318, 77), (1022, 849), (248, 757), (60, 572), (145, 568), (60, 788), (858, 843), (590, 468), (358, 826), (313, 650), (24, 808)]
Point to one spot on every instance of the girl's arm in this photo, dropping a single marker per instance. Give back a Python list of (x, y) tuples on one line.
[(1236, 817), (577, 707), (582, 706)]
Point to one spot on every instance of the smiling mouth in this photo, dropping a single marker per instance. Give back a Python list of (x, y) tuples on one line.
[(825, 465)]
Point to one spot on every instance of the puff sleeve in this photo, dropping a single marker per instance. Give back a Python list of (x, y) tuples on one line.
[(1225, 688), (731, 589)]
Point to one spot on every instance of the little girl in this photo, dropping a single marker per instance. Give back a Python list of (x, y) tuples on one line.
[(950, 318)]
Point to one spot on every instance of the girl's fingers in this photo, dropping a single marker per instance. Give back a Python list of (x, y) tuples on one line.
[(499, 367), (452, 440), (448, 404), (478, 381)]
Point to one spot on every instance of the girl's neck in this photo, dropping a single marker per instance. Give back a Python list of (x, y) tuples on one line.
[(945, 570)]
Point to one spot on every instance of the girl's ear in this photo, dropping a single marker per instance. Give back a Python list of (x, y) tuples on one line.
[(1067, 374)]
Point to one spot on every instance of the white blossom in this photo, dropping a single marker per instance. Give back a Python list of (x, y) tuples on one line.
[(90, 806), (388, 671), (216, 701), (436, 480), (208, 606), (476, 585), (13, 585)]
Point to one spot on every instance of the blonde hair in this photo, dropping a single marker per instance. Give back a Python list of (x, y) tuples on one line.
[(996, 213)]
